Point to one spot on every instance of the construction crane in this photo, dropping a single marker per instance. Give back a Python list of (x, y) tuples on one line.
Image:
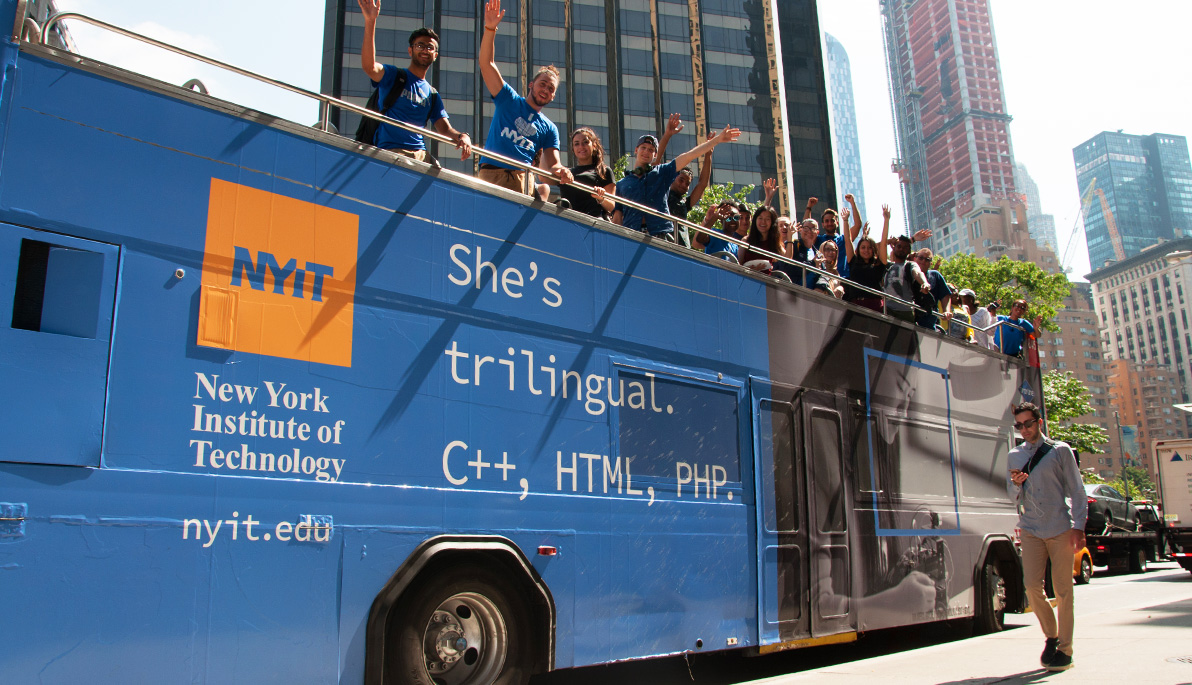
[(1115, 238), (1086, 199)]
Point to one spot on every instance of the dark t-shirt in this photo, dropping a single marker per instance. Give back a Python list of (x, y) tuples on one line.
[(582, 201), (680, 207), (869, 275)]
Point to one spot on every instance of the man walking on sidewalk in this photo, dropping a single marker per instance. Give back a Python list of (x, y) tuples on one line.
[(1043, 476)]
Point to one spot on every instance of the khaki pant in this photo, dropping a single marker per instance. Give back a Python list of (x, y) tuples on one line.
[(512, 179), (416, 155), (1035, 553)]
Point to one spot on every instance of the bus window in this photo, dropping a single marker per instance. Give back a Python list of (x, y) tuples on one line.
[(665, 420), (982, 466), (829, 486), (922, 459), (779, 439)]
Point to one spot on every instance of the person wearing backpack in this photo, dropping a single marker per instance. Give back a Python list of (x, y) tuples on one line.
[(405, 93), (1044, 479), (903, 279)]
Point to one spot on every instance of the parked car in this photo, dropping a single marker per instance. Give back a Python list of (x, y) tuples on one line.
[(1082, 567), (1109, 510)]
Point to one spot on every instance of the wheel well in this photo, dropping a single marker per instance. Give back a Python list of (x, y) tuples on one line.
[(445, 551), (1000, 551)]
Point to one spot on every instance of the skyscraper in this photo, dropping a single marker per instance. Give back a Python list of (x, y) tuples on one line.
[(1145, 183), (1040, 225), (844, 123), (626, 65), (952, 130)]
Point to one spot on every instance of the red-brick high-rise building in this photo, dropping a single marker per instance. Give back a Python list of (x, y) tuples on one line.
[(955, 158)]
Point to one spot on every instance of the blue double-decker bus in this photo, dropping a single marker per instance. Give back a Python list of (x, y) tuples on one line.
[(284, 409)]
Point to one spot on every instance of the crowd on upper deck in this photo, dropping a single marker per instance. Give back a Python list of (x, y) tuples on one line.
[(848, 263)]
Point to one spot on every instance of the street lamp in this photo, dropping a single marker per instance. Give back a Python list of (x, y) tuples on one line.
[(1122, 450)]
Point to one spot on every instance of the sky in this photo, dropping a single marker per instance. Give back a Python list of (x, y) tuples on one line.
[(1069, 71)]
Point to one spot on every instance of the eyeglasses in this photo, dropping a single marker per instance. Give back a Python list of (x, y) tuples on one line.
[(425, 47), (731, 219), (1019, 425)]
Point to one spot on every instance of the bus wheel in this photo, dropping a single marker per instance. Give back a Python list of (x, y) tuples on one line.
[(1138, 559), (1086, 571), (991, 612), (461, 627)]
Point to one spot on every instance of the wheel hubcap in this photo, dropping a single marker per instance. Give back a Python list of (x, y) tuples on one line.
[(465, 641), (999, 593)]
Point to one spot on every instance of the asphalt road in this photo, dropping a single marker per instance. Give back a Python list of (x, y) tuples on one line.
[(728, 668)]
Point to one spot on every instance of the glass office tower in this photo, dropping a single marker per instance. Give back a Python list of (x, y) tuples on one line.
[(1146, 184), (626, 65)]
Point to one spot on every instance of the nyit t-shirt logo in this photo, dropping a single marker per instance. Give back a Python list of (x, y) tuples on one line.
[(279, 276)]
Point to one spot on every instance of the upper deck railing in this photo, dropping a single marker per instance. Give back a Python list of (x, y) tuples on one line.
[(26, 27)]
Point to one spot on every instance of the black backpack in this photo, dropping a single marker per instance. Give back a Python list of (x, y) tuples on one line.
[(925, 301), (366, 131)]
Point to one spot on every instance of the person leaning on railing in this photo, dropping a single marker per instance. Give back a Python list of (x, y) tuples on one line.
[(712, 242), (867, 265), (418, 103), (519, 130), (648, 185)]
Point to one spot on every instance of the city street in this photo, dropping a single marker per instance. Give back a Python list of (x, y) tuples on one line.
[(1127, 626)]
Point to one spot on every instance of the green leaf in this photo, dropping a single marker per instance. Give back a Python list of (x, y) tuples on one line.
[(1066, 399)]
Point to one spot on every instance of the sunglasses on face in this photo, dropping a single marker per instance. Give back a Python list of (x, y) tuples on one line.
[(1019, 425)]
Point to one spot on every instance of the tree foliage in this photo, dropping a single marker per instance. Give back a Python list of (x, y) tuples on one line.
[(1007, 280), (1066, 399), (1133, 482), (717, 193), (620, 166)]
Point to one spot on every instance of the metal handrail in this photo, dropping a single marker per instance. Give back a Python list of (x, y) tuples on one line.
[(327, 102)]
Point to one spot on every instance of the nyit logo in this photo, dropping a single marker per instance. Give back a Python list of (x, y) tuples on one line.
[(523, 137), (279, 276)]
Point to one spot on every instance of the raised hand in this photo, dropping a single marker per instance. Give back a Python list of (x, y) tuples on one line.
[(844, 215), (848, 197), (729, 134), (370, 9), (493, 14), (885, 212), (674, 124), (921, 234), (811, 202), (770, 185)]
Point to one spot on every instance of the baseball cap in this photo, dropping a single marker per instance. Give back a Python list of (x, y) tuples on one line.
[(968, 293), (647, 139)]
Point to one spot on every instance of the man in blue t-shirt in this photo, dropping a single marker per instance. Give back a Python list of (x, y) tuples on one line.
[(1010, 339), (418, 103), (649, 185), (712, 242), (519, 130)]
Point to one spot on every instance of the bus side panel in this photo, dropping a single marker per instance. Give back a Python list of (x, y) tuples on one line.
[(374, 436), (920, 505)]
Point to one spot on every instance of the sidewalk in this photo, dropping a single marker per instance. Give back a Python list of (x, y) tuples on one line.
[(1126, 630)]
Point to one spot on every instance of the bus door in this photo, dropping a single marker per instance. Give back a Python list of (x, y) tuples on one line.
[(828, 513), (57, 303), (783, 563)]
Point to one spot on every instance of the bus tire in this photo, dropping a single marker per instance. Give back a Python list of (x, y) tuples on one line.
[(991, 612), (1138, 559), (461, 625)]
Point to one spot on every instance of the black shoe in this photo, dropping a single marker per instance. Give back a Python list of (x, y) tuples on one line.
[(1049, 649), (1059, 662)]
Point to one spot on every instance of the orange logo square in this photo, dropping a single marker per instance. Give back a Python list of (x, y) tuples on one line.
[(279, 276)]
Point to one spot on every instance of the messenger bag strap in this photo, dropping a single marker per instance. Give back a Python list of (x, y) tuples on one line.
[(1040, 452)]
